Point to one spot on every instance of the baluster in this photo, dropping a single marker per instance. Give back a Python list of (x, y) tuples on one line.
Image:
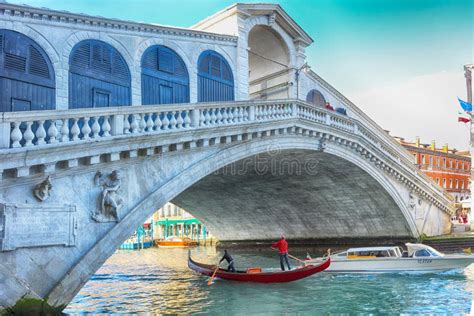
[(106, 127), (173, 120), (202, 118), (40, 133), (213, 116), (166, 122), (187, 119), (52, 132), (207, 118), (246, 114), (86, 129), (75, 131), (258, 111), (142, 123), (64, 131), (264, 113), (95, 127), (15, 135), (134, 124), (149, 123), (180, 119), (225, 117), (158, 123), (241, 114), (219, 117), (28, 135), (126, 124), (231, 115)]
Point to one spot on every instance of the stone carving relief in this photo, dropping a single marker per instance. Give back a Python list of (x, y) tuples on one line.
[(110, 201), (322, 144), (411, 202), (42, 191)]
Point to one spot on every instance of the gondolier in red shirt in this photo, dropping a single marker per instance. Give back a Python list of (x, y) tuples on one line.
[(282, 247)]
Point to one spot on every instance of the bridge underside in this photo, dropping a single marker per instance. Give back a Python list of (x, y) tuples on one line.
[(304, 194)]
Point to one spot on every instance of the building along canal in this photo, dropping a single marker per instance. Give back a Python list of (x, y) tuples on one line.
[(157, 280)]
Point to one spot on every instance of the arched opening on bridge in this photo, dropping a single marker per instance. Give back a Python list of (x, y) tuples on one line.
[(305, 194), (316, 97), (98, 76), (215, 78), (269, 69), (165, 78), (27, 81)]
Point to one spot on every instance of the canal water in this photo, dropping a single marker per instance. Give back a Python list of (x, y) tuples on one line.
[(159, 281)]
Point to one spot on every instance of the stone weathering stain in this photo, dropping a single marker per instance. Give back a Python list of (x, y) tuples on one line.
[(111, 167)]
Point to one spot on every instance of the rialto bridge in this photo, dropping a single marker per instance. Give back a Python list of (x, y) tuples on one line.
[(104, 121)]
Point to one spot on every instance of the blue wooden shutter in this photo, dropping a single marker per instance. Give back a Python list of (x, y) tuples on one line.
[(26, 74), (96, 66), (165, 78), (215, 79)]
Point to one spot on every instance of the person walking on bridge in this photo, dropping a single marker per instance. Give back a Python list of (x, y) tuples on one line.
[(282, 247)]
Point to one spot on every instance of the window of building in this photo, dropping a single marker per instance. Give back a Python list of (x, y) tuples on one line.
[(444, 162), (431, 160), (451, 164), (462, 185), (423, 159), (444, 183), (414, 156), (457, 184), (450, 183), (437, 180)]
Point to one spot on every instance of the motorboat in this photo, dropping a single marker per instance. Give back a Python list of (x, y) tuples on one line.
[(392, 259), (176, 242), (259, 275)]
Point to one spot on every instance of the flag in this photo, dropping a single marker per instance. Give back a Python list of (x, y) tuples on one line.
[(466, 106), (463, 119)]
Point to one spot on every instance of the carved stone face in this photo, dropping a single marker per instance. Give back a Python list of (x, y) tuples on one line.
[(115, 175)]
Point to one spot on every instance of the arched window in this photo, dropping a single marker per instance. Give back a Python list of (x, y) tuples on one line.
[(98, 76), (215, 79), (26, 75), (315, 97), (165, 78)]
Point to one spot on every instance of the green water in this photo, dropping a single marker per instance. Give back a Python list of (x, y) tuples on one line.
[(159, 281)]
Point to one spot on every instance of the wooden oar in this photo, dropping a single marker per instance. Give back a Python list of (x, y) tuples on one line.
[(213, 275), (297, 259)]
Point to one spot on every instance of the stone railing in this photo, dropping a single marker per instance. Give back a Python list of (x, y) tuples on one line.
[(31, 130)]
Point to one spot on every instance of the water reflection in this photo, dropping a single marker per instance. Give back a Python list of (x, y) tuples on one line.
[(159, 281)]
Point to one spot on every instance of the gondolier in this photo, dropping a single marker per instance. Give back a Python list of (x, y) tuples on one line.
[(282, 247), (229, 259)]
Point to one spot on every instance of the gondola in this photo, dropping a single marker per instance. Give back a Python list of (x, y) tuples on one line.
[(257, 274)]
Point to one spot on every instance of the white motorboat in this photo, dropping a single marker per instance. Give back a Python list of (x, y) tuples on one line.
[(417, 258)]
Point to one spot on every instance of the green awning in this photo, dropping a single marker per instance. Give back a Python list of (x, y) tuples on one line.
[(178, 221)]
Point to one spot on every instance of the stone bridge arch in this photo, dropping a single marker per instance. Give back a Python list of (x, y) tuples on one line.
[(172, 183)]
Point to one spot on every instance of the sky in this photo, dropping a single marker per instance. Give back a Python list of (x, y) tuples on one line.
[(401, 61)]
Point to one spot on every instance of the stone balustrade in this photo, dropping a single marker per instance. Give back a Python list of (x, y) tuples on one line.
[(34, 130)]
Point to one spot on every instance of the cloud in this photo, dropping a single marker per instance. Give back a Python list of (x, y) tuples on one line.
[(424, 106)]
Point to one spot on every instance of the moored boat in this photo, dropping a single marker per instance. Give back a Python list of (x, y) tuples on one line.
[(392, 259), (258, 275), (176, 242)]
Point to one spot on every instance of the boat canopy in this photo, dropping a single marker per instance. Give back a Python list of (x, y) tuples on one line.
[(371, 249), (412, 248)]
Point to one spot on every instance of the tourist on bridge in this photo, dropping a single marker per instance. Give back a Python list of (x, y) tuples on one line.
[(229, 259), (282, 247)]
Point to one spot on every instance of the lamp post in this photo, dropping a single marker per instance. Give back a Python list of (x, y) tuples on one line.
[(468, 75), (304, 67)]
